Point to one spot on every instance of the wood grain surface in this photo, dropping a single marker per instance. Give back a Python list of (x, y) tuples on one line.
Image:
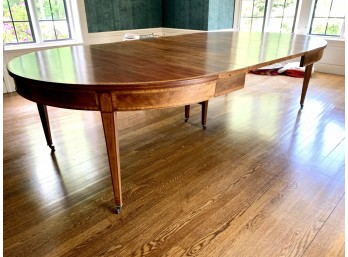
[(264, 178), (138, 63)]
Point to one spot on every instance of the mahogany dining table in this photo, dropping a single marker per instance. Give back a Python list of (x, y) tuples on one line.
[(153, 73)]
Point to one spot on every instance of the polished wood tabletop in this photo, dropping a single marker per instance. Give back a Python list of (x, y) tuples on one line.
[(153, 73)]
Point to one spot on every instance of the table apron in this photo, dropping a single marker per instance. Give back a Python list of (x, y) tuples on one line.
[(77, 100), (311, 58), (127, 100)]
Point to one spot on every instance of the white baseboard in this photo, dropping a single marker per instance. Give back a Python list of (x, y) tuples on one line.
[(117, 36), (176, 32), (330, 68)]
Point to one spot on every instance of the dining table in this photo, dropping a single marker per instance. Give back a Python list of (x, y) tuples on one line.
[(158, 72)]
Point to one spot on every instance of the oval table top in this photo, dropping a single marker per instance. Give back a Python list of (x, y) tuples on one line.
[(159, 61)]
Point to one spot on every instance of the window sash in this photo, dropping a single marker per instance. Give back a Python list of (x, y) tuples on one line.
[(13, 22), (34, 23), (267, 16), (341, 33)]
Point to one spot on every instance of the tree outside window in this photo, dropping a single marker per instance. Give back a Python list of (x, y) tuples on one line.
[(282, 16), (328, 18), (252, 15), (17, 26), (46, 18), (270, 15)]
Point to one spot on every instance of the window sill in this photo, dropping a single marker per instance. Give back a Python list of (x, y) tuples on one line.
[(9, 48), (329, 38)]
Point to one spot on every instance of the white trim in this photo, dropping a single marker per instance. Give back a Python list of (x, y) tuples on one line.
[(117, 36), (175, 32), (330, 68), (81, 13), (305, 13), (237, 13), (38, 46)]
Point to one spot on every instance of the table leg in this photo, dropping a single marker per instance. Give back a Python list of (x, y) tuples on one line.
[(308, 73), (109, 118), (45, 124), (204, 113), (187, 112)]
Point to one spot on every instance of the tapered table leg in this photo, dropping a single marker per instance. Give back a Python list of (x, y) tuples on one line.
[(109, 118), (308, 73), (45, 124), (187, 112), (204, 113)]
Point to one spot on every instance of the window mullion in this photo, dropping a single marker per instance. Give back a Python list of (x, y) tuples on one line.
[(252, 16), (328, 18), (295, 17), (281, 23), (69, 18), (14, 27), (35, 20), (53, 20)]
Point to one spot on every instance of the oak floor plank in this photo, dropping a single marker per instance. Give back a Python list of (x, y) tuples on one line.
[(342, 252), (264, 178), (333, 229)]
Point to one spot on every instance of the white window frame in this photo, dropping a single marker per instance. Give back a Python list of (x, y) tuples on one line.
[(238, 11), (342, 34), (74, 24)]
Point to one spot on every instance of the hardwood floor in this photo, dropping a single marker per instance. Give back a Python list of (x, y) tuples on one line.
[(264, 178)]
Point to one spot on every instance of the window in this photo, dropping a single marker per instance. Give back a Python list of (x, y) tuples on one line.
[(328, 18), (252, 15), (283, 16), (29, 21), (16, 21), (268, 15)]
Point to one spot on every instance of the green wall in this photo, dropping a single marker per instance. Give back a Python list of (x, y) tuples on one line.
[(198, 14), (186, 14), (111, 15), (220, 14)]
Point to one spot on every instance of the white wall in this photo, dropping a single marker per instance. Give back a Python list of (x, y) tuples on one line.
[(333, 60)]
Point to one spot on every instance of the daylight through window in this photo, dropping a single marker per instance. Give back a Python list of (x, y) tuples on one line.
[(17, 26), (270, 15), (328, 18), (28, 21)]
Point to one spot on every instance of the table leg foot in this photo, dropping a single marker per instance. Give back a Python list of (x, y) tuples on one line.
[(118, 210)]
